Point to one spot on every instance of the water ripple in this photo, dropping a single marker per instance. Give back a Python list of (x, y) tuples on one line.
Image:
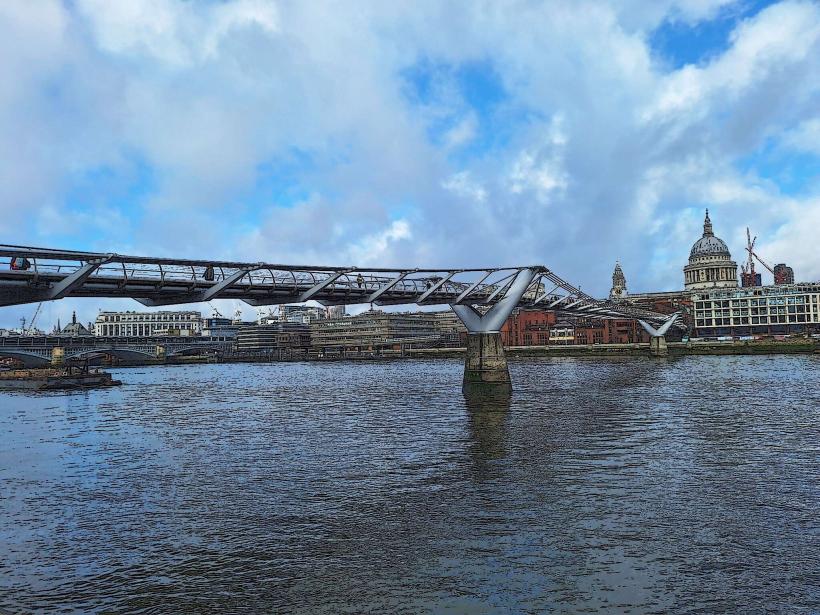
[(618, 485)]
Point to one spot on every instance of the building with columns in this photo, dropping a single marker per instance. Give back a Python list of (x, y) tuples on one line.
[(710, 263), (138, 324)]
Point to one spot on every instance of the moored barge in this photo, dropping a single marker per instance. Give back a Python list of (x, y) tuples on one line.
[(47, 379)]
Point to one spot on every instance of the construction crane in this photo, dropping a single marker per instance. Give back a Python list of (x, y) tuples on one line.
[(30, 329), (748, 268), (750, 248), (748, 275), (216, 313)]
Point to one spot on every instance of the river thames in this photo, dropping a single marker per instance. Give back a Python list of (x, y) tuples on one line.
[(610, 485)]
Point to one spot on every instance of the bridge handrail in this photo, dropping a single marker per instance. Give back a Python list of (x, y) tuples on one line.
[(166, 281)]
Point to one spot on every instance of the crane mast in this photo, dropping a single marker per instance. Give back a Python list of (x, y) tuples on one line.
[(748, 268), (30, 329)]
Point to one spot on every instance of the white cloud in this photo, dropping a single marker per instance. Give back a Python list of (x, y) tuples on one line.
[(176, 34), (542, 177), (214, 98), (795, 241), (779, 38), (374, 249), (540, 170), (462, 133), (462, 184), (804, 138), (639, 14)]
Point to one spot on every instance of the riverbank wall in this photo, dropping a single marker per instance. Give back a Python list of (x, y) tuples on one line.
[(676, 349)]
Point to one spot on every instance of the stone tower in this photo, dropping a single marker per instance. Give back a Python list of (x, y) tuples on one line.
[(618, 292)]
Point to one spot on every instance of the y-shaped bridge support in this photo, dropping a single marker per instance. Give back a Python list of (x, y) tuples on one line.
[(485, 366), (657, 339)]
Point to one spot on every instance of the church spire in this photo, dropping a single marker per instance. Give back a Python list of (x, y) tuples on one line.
[(707, 226)]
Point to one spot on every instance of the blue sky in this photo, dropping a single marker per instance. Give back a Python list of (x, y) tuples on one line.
[(681, 42), (564, 132)]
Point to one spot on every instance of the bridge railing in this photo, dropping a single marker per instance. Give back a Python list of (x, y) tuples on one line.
[(41, 274)]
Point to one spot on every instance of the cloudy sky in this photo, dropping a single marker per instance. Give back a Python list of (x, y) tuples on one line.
[(463, 133)]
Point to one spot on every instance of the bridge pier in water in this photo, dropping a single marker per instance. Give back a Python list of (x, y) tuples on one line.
[(485, 364), (657, 346)]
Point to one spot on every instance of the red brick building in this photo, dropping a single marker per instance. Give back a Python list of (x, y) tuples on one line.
[(532, 328), (595, 331), (527, 328)]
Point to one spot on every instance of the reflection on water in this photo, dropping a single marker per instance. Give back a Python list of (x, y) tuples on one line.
[(487, 413), (610, 485)]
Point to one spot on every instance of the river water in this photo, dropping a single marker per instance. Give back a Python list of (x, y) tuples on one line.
[(603, 485)]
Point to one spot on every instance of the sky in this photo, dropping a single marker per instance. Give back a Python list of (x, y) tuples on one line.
[(567, 133)]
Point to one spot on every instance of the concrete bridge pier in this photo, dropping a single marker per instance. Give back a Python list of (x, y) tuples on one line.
[(485, 364), (57, 356), (657, 346)]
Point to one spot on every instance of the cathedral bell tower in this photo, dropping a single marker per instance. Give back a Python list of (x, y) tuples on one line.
[(618, 292)]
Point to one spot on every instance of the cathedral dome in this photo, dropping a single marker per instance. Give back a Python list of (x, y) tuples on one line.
[(710, 263), (709, 246)]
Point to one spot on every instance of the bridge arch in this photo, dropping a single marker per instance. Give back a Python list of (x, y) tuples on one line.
[(29, 359), (180, 350), (120, 353)]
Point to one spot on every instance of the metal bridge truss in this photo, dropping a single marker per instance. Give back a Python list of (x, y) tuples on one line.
[(37, 274)]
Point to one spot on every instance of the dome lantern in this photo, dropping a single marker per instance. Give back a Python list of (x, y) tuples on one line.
[(707, 226)]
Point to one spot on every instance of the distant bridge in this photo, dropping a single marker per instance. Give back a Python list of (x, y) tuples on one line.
[(482, 298), (35, 351)]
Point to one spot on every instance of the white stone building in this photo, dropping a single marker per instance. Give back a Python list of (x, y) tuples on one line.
[(143, 324)]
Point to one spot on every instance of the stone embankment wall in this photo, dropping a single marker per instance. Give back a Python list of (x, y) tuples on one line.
[(675, 349)]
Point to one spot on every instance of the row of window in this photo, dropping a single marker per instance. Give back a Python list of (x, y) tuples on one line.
[(792, 309), (149, 329), (798, 300), (753, 320), (148, 317)]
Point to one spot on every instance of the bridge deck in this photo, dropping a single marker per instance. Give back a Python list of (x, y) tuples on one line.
[(40, 274)]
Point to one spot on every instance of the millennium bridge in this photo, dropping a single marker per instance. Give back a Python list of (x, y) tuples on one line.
[(483, 298)]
